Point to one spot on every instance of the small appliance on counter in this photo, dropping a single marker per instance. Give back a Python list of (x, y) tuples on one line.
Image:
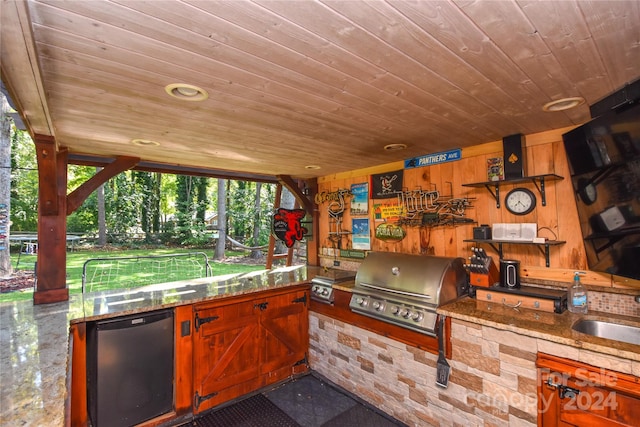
[(482, 270), (509, 273), (506, 289)]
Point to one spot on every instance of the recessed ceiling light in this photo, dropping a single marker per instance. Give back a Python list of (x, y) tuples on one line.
[(144, 142), (186, 92), (314, 167), (395, 147), (563, 104)]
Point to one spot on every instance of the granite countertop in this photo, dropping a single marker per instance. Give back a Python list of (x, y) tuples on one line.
[(538, 324), (34, 339)]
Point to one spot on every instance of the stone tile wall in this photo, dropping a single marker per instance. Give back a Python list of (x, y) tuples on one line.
[(493, 378)]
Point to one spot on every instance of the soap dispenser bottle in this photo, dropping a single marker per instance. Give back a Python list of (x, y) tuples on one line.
[(577, 296)]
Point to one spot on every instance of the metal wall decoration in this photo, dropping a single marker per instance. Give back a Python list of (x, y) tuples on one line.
[(337, 205), (427, 208), (287, 225)]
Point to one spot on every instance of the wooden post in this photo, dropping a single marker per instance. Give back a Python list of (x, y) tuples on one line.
[(53, 207), (51, 272)]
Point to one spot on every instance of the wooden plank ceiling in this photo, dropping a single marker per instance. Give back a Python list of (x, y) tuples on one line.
[(299, 83)]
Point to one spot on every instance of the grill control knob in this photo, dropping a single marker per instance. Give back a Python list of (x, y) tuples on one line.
[(417, 316), (407, 314), (361, 301), (325, 291), (316, 289), (378, 306), (404, 312), (395, 309)]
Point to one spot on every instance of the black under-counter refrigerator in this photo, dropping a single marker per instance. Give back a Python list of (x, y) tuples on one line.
[(130, 368)]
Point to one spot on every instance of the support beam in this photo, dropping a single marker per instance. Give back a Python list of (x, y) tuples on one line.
[(46, 155), (51, 272), (292, 186), (80, 194), (54, 206)]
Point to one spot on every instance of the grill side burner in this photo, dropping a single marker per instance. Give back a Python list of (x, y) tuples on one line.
[(406, 290), (322, 285)]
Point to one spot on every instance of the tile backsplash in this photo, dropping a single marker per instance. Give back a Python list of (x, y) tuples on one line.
[(614, 303)]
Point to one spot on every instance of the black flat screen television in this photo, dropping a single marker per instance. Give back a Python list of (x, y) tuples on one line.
[(604, 159)]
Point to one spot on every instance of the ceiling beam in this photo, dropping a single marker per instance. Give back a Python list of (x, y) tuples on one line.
[(91, 160)]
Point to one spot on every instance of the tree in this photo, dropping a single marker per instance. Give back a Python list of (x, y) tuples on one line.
[(257, 253), (84, 219), (184, 206), (5, 186), (240, 216), (202, 183), (222, 220), (150, 201), (102, 215)]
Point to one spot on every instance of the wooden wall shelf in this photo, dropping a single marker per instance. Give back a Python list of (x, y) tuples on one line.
[(538, 180), (499, 244)]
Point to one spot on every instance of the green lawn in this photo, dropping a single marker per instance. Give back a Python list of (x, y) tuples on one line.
[(76, 260)]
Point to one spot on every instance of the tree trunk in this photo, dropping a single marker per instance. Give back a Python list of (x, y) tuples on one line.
[(102, 217), (157, 182), (256, 253), (222, 220), (5, 187), (203, 202)]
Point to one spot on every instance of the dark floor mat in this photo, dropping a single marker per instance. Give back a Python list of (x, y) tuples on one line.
[(256, 411), (358, 416), (310, 401)]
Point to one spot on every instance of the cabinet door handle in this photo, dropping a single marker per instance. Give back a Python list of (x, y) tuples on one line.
[(504, 302), (262, 306), (563, 390)]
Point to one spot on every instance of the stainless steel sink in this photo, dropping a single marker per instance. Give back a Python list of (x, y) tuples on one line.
[(611, 331)]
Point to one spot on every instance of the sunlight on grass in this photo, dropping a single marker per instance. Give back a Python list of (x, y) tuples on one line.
[(76, 261)]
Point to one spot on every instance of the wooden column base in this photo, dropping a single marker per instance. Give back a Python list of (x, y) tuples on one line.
[(50, 296)]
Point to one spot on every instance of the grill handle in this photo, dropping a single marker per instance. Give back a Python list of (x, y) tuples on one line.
[(384, 289)]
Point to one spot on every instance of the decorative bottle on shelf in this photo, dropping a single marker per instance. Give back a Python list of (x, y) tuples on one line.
[(577, 296)]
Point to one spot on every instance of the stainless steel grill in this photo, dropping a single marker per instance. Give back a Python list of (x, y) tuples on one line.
[(322, 284), (406, 289)]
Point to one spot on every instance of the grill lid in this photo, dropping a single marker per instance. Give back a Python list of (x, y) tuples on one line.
[(437, 280), (406, 289)]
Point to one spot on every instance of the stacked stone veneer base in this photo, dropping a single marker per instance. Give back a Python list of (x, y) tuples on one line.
[(493, 378)]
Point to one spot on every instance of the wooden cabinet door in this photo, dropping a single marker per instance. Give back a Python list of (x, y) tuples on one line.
[(284, 323), (226, 353), (576, 394)]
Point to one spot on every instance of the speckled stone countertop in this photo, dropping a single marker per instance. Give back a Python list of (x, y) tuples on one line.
[(34, 340), (538, 324)]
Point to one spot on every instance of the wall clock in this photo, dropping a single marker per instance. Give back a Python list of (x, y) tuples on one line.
[(520, 201)]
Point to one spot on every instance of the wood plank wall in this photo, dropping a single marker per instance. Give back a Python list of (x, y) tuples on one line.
[(545, 155)]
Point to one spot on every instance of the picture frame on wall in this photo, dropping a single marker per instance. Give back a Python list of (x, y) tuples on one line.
[(361, 234), (360, 198)]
